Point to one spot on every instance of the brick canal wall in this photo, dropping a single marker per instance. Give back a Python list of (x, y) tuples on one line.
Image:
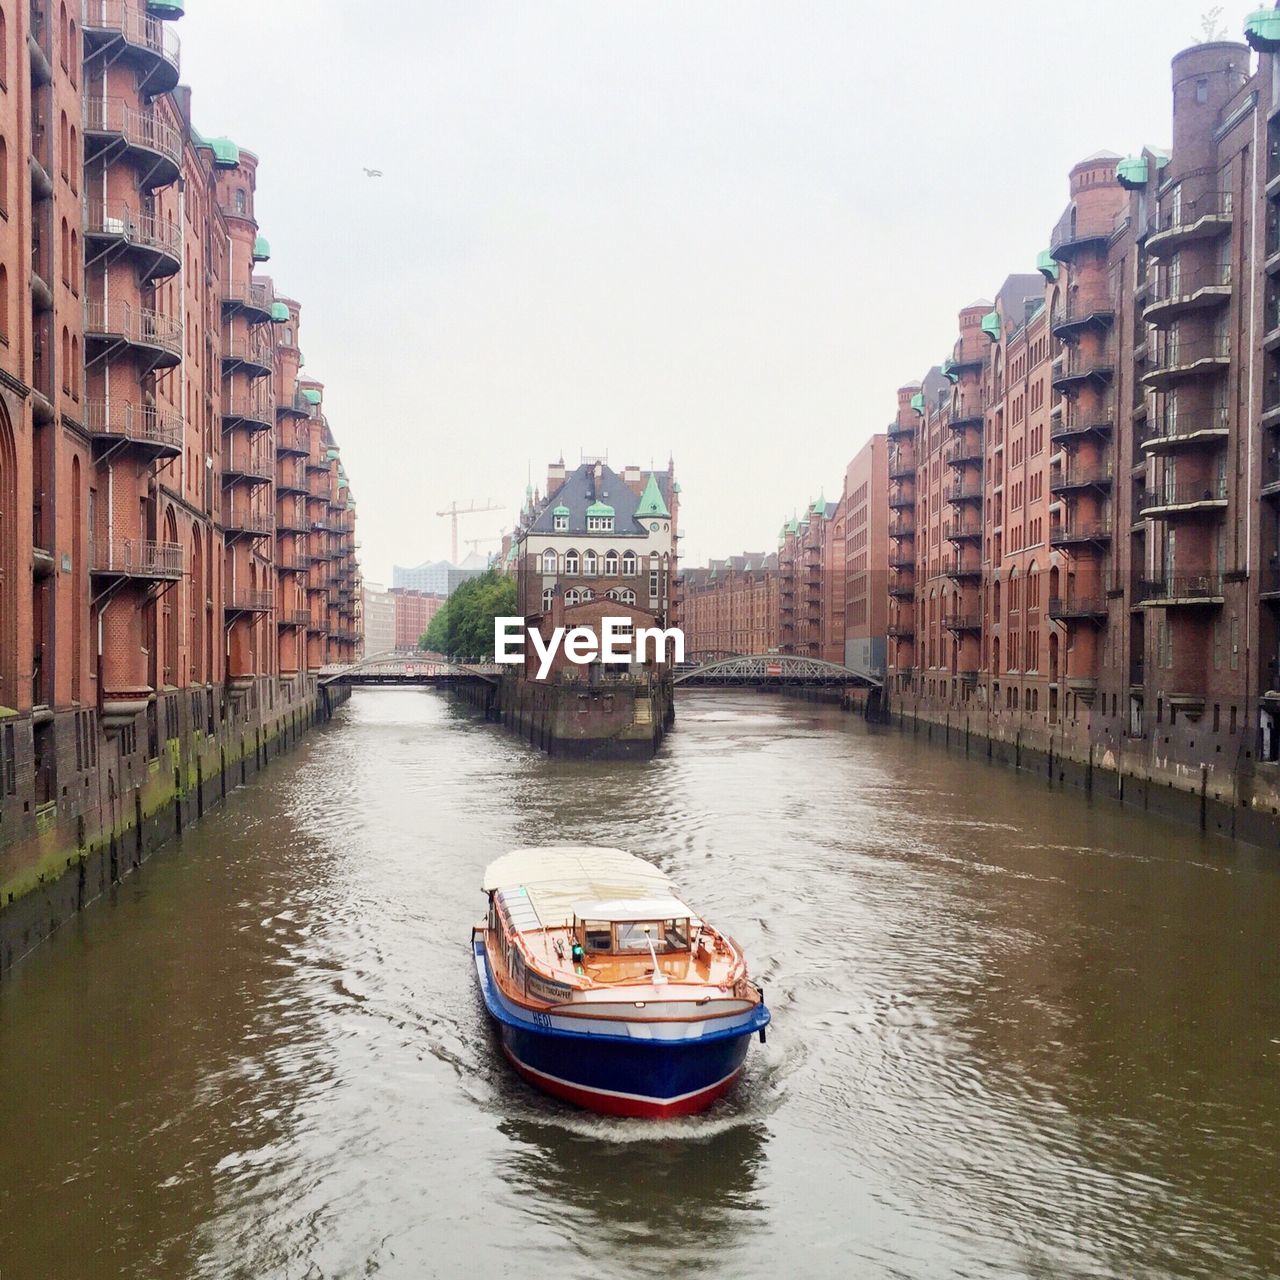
[(121, 796), (609, 721), (1235, 796)]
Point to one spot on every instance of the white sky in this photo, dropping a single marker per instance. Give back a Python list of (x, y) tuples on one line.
[(724, 229)]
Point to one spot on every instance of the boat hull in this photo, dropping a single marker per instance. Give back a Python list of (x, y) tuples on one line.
[(621, 1074)]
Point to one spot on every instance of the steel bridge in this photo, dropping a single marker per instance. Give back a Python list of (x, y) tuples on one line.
[(776, 669), (407, 668)]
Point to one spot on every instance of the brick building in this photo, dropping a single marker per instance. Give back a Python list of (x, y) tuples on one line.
[(379, 619), (864, 611), (176, 530), (1084, 542), (731, 607), (412, 612)]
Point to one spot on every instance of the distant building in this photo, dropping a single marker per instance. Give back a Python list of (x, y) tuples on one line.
[(413, 611), (731, 607), (438, 577), (866, 555), (379, 619)]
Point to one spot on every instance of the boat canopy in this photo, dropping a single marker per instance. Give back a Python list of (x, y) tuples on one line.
[(623, 909), (557, 881)]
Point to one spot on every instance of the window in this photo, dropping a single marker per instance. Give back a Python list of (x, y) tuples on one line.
[(288, 336), (241, 203), (572, 596), (4, 304), (600, 524), (629, 565), (549, 560), (611, 564), (572, 565), (4, 177), (548, 599), (597, 935), (4, 51), (560, 522), (590, 564)]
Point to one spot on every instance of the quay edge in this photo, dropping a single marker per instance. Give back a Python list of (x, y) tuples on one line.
[(111, 816)]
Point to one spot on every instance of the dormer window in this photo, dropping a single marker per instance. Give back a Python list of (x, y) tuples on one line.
[(600, 518), (560, 519)]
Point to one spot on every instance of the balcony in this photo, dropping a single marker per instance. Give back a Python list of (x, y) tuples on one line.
[(964, 491), (248, 355), (965, 453), (1189, 429), (961, 622), (1082, 419), (1081, 533), (902, 590), (155, 339), (1078, 608), (903, 564), (253, 412), (1177, 293), (1075, 235), (292, 522), (291, 480), (1182, 360), (252, 300), (155, 245), (239, 522), (1187, 221), (243, 466), (899, 430), (155, 432), (1092, 475), (901, 630), (961, 572), (122, 29), (964, 418), (241, 602), (138, 558), (293, 562), (899, 501), (1081, 315), (1191, 497), (1079, 367), (963, 535), (298, 407), (1181, 590), (153, 147), (900, 470), (294, 618), (290, 445)]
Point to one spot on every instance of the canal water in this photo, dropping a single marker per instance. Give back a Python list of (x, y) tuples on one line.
[(1015, 1034)]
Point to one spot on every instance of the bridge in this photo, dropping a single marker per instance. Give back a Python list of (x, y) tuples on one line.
[(407, 668), (776, 669)]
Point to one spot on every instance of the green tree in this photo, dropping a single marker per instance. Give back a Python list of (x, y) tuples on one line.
[(464, 626)]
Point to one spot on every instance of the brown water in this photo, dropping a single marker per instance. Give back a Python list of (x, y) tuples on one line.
[(1015, 1034)]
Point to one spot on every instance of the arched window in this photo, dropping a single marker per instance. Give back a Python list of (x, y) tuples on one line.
[(586, 594), (64, 35), (75, 260), (66, 252), (75, 159), (623, 595), (548, 598), (4, 303), (590, 564), (4, 176), (549, 559), (64, 144), (4, 51), (75, 366), (571, 563), (611, 564), (72, 54), (571, 597), (629, 565), (241, 202), (288, 336), (66, 359)]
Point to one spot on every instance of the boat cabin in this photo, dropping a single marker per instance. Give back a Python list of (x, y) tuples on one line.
[(630, 926)]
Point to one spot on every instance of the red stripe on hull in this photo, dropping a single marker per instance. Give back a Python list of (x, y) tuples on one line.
[(615, 1105)]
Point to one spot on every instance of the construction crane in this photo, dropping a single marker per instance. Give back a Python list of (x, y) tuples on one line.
[(454, 511)]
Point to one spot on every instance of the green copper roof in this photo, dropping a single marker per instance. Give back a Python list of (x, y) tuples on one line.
[(560, 510), (820, 506), (652, 502), (1262, 30), (279, 312), (331, 453), (917, 402), (675, 486), (991, 325), (792, 526), (167, 8), (342, 481), (599, 509), (311, 395), (226, 155), (1131, 172), (261, 249), (1047, 265), (949, 370)]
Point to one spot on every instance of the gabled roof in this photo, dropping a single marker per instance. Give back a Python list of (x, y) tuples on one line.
[(596, 489), (651, 500)]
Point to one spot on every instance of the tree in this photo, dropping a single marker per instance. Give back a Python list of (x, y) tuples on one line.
[(463, 629)]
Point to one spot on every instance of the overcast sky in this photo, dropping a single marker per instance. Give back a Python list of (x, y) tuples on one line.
[(719, 229)]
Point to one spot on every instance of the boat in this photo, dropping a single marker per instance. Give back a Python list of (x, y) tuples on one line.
[(607, 990)]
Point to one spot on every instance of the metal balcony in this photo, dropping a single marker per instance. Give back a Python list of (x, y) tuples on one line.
[(289, 481), (1181, 590), (1095, 475), (240, 602), (1081, 532), (241, 466), (288, 445), (1078, 608), (1191, 497), (155, 245), (959, 536), (902, 630), (294, 618), (961, 622), (250, 356), (1189, 429), (899, 501), (1081, 315), (1078, 420), (961, 572), (292, 522), (252, 300), (1180, 360), (1075, 235), (239, 522), (1177, 293), (155, 339), (964, 492), (1187, 220), (158, 433), (254, 412), (116, 29), (902, 563), (1080, 366), (153, 147), (140, 558), (902, 590)]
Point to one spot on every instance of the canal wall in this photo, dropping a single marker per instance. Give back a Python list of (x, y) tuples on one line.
[(121, 795), (1235, 797), (610, 720)]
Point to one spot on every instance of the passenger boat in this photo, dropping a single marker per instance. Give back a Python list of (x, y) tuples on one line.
[(607, 990)]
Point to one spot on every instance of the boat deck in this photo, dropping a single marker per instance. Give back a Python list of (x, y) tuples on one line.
[(704, 966)]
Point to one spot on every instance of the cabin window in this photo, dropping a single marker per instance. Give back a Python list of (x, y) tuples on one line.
[(597, 935), (676, 933), (634, 935)]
